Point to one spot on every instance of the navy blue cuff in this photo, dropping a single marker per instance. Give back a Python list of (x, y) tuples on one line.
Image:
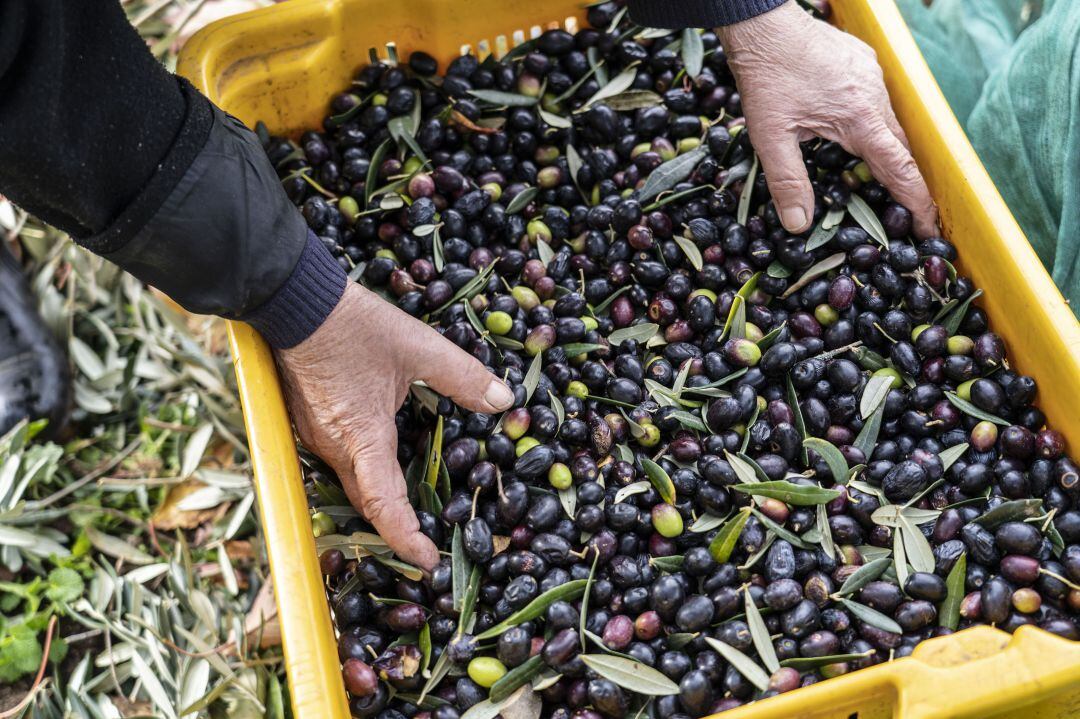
[(677, 14), (306, 299)]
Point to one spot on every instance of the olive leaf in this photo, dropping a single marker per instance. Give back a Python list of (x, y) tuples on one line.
[(602, 307), (580, 348), (805, 664), (660, 480), (563, 123), (796, 409), (866, 440), (678, 640), (504, 99), (671, 173), (460, 568), (371, 180), (874, 393), (437, 251), (632, 489), (785, 534), (742, 663), (521, 201), (544, 250), (634, 100), (797, 494), (693, 254), (615, 86), (872, 616), (891, 515), (522, 704), (969, 409), (827, 543), (635, 676), (770, 338), (759, 633), (949, 455), (832, 456), (583, 613), (468, 602), (956, 315), (743, 210), (516, 678), (816, 270), (821, 235), (565, 592), (545, 680), (900, 557), (668, 564), (532, 377), (470, 289), (737, 304), (919, 552), (573, 164), (861, 213), (743, 470), (723, 544), (505, 343), (425, 648), (955, 582), (863, 576), (438, 673), (568, 500), (693, 51), (833, 218), (1015, 510), (639, 332), (706, 522), (777, 268)]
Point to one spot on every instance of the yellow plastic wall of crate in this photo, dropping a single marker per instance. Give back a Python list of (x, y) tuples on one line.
[(281, 65)]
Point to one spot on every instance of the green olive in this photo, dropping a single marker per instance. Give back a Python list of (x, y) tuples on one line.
[(559, 476), (485, 671)]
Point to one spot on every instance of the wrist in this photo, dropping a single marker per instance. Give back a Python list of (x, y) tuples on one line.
[(763, 31)]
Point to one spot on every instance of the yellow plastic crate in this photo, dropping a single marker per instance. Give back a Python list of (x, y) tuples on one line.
[(281, 65)]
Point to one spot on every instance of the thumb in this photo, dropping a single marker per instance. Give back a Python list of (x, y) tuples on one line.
[(451, 371), (789, 185), (377, 489)]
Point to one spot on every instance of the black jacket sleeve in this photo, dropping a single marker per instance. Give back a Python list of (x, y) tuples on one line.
[(677, 14), (99, 140)]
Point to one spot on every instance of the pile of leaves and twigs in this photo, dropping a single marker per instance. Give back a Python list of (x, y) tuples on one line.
[(133, 580)]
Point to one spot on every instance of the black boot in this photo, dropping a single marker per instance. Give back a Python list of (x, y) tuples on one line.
[(35, 380)]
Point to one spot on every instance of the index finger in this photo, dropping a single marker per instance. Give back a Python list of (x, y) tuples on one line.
[(892, 165), (378, 491)]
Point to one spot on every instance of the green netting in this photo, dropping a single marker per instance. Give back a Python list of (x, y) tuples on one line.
[(1011, 72)]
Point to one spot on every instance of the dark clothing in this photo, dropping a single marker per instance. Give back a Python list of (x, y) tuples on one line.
[(99, 140)]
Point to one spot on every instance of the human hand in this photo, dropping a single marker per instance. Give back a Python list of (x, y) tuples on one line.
[(800, 77), (345, 383)]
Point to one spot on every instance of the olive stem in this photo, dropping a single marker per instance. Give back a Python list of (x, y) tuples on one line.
[(838, 351), (1060, 578), (475, 496), (882, 331)]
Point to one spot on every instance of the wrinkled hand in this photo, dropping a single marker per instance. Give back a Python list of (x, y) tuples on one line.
[(799, 78), (344, 384)]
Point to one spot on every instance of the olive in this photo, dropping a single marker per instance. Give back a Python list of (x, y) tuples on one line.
[(1018, 538), (925, 585), (477, 540)]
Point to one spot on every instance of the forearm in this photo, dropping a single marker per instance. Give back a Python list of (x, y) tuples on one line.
[(676, 14), (99, 140)]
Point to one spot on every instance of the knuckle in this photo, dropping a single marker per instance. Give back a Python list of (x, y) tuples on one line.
[(785, 184)]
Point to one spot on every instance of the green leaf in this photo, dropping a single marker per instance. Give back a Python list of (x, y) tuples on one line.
[(785, 534), (789, 493), (949, 612), (872, 616), (688, 420), (575, 349), (460, 567), (821, 236), (660, 479), (723, 544), (816, 270), (431, 472), (949, 455), (632, 489), (521, 200), (568, 500), (956, 316), (468, 602), (743, 211), (1016, 510), (868, 435), (693, 254), (759, 633), (640, 332), (557, 408), (693, 51), (544, 250), (438, 673), (563, 123), (706, 522), (602, 307), (671, 173), (838, 466), (919, 552), (743, 470), (778, 269), (532, 377), (504, 99), (583, 614), (678, 640), (742, 663), (425, 648), (828, 545), (618, 84), (861, 213), (805, 664), (875, 392), (770, 338), (65, 585), (796, 409), (635, 676), (516, 678), (969, 409), (668, 564), (565, 592), (633, 100)]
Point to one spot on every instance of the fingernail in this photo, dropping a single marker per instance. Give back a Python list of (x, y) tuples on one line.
[(793, 217), (498, 395)]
